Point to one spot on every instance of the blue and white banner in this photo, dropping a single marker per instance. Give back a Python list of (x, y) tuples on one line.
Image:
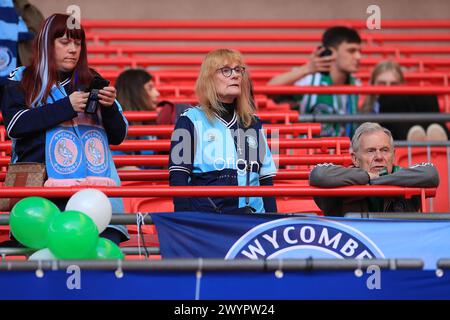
[(210, 235)]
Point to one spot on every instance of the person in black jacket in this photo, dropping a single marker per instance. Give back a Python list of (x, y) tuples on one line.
[(373, 164), (44, 115), (389, 73)]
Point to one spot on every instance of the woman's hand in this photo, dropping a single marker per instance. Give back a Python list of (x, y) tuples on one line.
[(78, 100), (106, 96)]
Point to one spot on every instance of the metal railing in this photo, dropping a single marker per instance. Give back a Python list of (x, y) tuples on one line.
[(222, 191), (394, 215), (213, 265), (382, 117)]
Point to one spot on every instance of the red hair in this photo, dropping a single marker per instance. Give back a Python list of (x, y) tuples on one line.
[(39, 78)]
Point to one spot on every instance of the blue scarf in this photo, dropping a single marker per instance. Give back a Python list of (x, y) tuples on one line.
[(12, 29)]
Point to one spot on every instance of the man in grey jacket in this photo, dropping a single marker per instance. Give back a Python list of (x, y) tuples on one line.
[(372, 151)]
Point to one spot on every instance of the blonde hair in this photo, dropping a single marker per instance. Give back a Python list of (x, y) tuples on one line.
[(381, 67), (206, 90)]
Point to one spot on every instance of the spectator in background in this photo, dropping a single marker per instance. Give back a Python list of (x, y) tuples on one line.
[(331, 64), (372, 151), (15, 36), (44, 114), (221, 142), (33, 19), (385, 73), (389, 73), (136, 91)]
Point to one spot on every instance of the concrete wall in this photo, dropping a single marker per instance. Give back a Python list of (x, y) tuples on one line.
[(249, 9)]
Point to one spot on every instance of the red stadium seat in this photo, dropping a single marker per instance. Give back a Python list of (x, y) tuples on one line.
[(438, 156)]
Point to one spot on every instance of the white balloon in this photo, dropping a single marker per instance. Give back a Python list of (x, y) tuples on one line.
[(94, 204), (43, 254)]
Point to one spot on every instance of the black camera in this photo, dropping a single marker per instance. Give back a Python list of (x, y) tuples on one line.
[(325, 53), (96, 84)]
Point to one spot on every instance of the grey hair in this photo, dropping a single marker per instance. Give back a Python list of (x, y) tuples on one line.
[(368, 127)]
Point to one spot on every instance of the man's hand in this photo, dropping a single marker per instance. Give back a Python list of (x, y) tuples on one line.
[(106, 96), (373, 175), (78, 100), (317, 63)]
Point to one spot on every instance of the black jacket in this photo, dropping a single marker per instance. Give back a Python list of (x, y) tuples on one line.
[(27, 126), (329, 175)]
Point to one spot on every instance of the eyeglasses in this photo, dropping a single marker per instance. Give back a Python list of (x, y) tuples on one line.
[(227, 71)]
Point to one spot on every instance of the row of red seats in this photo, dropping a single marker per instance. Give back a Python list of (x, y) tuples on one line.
[(286, 50), (420, 63), (186, 90), (186, 93), (299, 25), (163, 160), (277, 37), (272, 116), (338, 144), (261, 77)]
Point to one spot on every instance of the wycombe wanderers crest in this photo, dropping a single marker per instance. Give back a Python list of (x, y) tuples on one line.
[(95, 151), (65, 157), (303, 238), (6, 58)]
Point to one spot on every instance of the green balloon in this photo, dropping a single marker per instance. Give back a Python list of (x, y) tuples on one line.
[(30, 219), (106, 249), (73, 235)]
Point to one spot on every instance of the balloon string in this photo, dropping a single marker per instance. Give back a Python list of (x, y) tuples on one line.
[(140, 221), (138, 224)]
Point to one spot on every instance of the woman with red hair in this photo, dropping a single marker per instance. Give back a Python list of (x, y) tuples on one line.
[(44, 110)]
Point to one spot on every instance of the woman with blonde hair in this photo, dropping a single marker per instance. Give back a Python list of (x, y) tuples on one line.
[(389, 73), (220, 142)]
